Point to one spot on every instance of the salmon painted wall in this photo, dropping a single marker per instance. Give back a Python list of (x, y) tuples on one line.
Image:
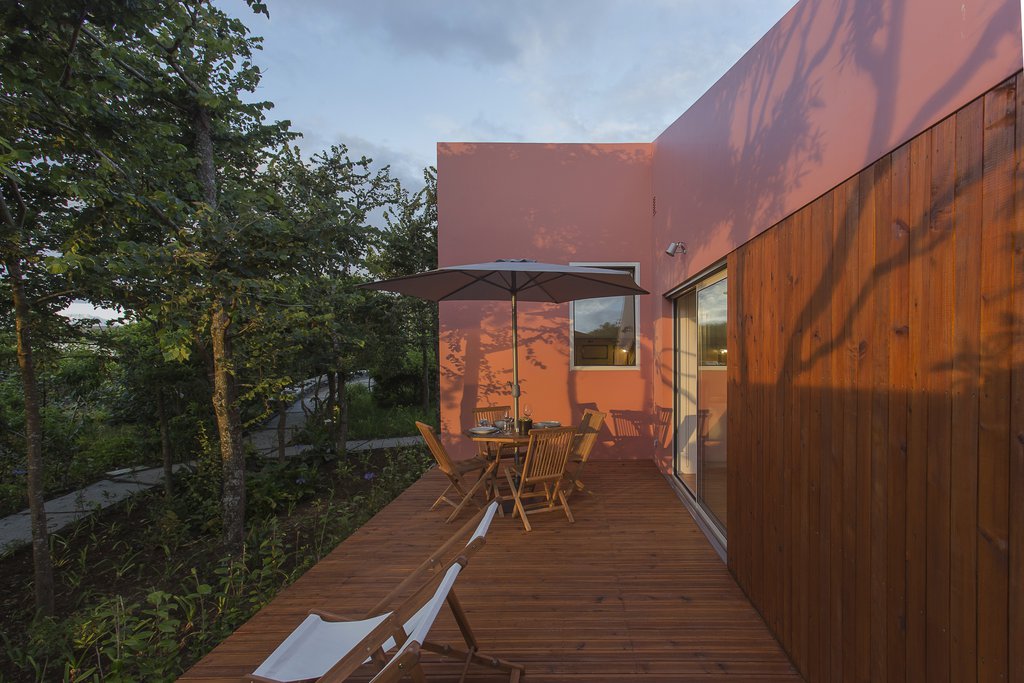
[(555, 203), (834, 86)]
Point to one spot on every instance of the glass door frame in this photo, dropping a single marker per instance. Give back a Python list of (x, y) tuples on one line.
[(705, 519)]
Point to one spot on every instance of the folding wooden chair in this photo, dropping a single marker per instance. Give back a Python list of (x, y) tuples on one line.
[(492, 413), (328, 649), (542, 474), (582, 445), (457, 472), (489, 413)]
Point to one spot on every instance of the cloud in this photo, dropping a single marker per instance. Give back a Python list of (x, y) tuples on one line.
[(441, 30), (392, 78), (408, 168)]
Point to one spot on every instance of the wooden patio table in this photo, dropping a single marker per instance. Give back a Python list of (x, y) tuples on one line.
[(504, 438)]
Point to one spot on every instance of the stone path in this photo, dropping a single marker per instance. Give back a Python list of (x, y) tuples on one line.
[(60, 512), (121, 484)]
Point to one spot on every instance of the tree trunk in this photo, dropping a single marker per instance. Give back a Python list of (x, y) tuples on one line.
[(282, 428), (229, 429), (225, 384), (207, 170), (43, 565), (166, 452), (341, 433), (309, 407), (332, 405), (332, 390)]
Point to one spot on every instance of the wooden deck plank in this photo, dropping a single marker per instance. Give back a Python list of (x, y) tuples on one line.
[(631, 591)]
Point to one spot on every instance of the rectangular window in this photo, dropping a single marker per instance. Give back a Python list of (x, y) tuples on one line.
[(604, 330)]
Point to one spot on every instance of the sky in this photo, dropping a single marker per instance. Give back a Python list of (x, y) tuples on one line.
[(391, 78)]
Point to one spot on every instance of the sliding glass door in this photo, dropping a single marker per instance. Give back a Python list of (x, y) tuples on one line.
[(701, 359)]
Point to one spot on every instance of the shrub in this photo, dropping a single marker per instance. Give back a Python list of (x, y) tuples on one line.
[(156, 629)]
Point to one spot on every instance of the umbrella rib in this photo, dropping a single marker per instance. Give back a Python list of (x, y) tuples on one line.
[(638, 290), (541, 285), (474, 279)]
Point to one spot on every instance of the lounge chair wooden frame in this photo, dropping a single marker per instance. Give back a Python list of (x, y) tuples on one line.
[(457, 472), (542, 475), (405, 661), (582, 445)]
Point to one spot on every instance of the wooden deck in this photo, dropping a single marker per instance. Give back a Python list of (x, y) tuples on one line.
[(631, 591)]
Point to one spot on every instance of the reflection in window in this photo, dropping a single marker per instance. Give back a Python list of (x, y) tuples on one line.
[(711, 321), (712, 398), (604, 330)]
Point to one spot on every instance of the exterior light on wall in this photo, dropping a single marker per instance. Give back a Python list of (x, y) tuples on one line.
[(676, 248)]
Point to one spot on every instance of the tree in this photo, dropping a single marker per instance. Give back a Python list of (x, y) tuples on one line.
[(329, 200), (409, 246), (151, 389), (54, 128), (198, 241)]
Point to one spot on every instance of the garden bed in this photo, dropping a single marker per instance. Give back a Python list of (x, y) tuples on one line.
[(144, 589)]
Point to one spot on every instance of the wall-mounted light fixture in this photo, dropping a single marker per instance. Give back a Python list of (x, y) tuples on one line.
[(676, 248)]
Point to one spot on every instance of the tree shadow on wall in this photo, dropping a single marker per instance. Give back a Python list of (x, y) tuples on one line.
[(480, 358)]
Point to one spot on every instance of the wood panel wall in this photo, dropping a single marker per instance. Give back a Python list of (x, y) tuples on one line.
[(876, 412)]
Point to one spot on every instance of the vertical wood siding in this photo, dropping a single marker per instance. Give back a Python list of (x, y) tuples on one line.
[(876, 412)]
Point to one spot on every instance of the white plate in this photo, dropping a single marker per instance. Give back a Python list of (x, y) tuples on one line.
[(483, 430), (542, 425)]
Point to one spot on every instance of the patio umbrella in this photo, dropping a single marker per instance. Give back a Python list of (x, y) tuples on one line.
[(515, 280)]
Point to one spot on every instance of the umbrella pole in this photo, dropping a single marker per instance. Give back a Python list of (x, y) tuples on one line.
[(515, 360)]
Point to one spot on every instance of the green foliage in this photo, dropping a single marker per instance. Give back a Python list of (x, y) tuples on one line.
[(155, 630), (196, 500), (404, 349), (370, 420), (280, 485), (137, 170), (97, 411)]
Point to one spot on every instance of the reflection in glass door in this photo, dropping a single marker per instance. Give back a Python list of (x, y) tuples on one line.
[(701, 394)]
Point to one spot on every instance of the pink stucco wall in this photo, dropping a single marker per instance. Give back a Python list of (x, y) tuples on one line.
[(834, 86), (549, 203)]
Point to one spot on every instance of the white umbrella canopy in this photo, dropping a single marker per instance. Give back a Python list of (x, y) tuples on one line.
[(514, 280)]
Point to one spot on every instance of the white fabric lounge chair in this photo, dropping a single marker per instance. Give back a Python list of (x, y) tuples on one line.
[(326, 648)]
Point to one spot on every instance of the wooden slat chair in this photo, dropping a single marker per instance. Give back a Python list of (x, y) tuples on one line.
[(457, 472), (491, 413), (582, 445), (542, 474), (328, 649)]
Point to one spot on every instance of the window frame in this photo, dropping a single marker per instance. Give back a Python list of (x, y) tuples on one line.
[(635, 265)]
